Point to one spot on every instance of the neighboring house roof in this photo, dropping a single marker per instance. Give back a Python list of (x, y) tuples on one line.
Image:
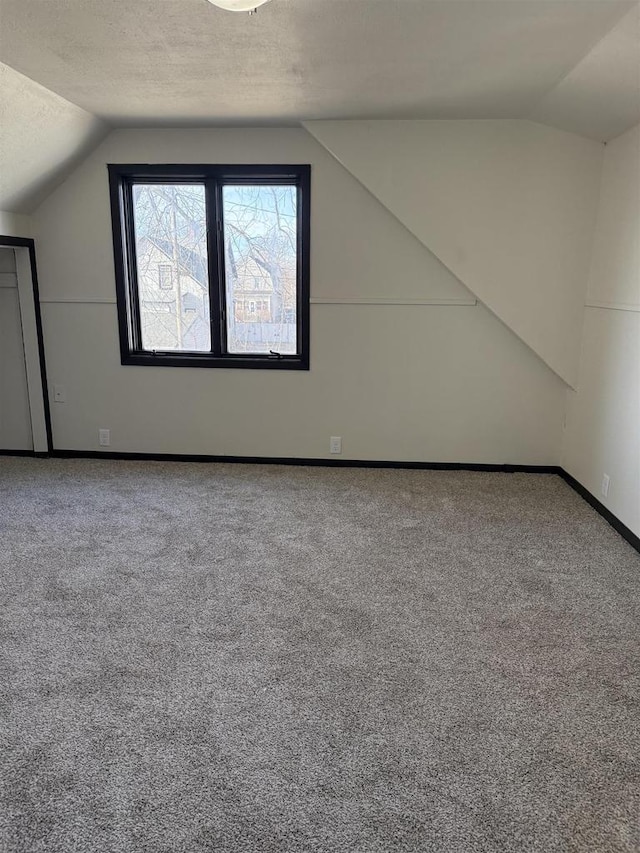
[(250, 276), (253, 279), (247, 274), (191, 263)]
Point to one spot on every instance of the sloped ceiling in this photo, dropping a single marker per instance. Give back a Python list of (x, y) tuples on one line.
[(509, 207), (600, 97), (168, 62), (569, 64), (42, 137)]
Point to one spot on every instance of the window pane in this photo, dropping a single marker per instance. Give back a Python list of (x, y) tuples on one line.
[(171, 255), (260, 240)]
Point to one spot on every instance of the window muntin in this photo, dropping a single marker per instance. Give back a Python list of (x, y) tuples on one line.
[(228, 248)]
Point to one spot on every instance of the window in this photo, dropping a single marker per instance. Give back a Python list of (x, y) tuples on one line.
[(165, 276), (212, 265)]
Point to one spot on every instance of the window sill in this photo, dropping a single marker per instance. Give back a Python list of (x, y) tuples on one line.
[(233, 362)]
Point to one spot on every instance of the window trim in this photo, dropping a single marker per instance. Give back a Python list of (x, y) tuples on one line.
[(122, 177)]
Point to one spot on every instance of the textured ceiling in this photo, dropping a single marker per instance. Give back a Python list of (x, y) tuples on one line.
[(168, 62), (572, 64), (600, 97), (42, 137)]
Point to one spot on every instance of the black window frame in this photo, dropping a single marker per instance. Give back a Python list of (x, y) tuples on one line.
[(122, 178)]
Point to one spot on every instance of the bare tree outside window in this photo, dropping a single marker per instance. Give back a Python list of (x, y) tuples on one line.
[(260, 232), (212, 264), (171, 236)]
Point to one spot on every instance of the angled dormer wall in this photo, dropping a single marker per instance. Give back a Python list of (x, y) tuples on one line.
[(508, 207)]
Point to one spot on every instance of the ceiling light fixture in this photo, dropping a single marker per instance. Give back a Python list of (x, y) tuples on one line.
[(239, 5)]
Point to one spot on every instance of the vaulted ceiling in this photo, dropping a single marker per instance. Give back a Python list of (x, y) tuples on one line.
[(76, 67)]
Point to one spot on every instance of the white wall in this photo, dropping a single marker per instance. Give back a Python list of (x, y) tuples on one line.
[(509, 207), (603, 419), (440, 380), (15, 225)]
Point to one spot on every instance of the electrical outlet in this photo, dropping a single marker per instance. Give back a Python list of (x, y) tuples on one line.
[(104, 437), (604, 488), (335, 444), (59, 394)]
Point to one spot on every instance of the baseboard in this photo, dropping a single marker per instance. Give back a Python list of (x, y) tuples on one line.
[(32, 453), (599, 507), (617, 525), (312, 461)]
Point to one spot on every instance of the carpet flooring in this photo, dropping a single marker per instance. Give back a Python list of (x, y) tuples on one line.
[(259, 658)]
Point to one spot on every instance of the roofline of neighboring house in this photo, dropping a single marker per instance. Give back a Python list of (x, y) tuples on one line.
[(184, 269)]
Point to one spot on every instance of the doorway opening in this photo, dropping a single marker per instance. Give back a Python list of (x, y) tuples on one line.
[(25, 422)]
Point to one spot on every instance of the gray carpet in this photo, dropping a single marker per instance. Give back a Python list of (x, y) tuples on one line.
[(255, 658)]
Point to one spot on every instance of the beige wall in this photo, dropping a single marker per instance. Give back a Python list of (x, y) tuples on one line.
[(603, 419), (404, 364), (15, 225), (509, 206)]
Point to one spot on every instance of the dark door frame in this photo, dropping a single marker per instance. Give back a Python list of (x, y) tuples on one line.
[(29, 243)]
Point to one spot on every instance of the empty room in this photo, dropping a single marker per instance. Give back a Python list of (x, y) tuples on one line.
[(319, 426)]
